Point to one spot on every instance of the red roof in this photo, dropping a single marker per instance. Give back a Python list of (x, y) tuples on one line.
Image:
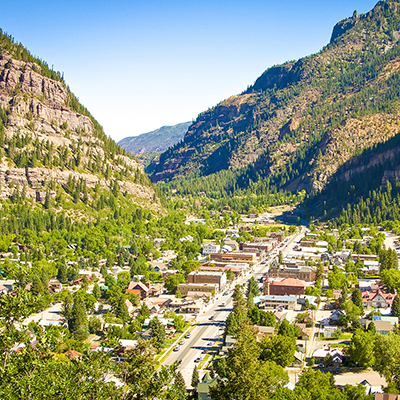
[(369, 296), (289, 282), (73, 354), (137, 285), (205, 268)]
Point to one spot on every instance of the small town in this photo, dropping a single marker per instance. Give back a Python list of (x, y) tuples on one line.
[(325, 286), (200, 200)]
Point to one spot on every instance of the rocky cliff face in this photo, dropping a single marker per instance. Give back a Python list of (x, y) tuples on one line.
[(48, 137), (302, 120)]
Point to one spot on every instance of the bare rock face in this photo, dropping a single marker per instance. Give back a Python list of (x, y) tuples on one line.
[(44, 109)]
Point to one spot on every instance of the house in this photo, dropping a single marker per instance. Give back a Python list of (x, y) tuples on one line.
[(264, 331), (382, 327), (158, 242), (146, 335), (159, 266), (203, 388), (337, 315), (209, 248), (54, 287), (139, 288), (377, 299), (304, 334), (129, 306), (369, 389), (329, 331), (337, 355), (298, 360)]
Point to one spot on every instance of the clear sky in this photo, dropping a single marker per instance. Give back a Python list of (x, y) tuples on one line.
[(140, 64)]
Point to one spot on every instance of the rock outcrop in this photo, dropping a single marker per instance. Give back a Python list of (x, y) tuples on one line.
[(59, 139)]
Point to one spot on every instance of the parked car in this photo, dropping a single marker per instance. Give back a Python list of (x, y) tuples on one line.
[(187, 335), (177, 348), (182, 342), (223, 304), (197, 360)]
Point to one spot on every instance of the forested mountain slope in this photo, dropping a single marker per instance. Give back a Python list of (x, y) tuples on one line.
[(50, 145), (300, 121), (158, 140)]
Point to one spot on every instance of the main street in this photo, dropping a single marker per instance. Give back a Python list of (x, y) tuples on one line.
[(208, 331)]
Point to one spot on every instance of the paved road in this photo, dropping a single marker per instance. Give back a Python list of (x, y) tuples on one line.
[(48, 313), (208, 331)]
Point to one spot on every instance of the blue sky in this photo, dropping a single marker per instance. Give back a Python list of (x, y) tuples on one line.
[(140, 64)]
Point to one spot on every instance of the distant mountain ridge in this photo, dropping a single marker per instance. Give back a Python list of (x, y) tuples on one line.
[(302, 120), (158, 140)]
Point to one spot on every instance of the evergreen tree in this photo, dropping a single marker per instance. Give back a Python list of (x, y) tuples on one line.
[(179, 387), (79, 323), (144, 311), (356, 298), (122, 310), (396, 306), (195, 377), (62, 273), (252, 287), (96, 291), (250, 302), (372, 328), (37, 287), (157, 331)]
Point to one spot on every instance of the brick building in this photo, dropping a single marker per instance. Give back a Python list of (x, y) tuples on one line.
[(250, 258), (287, 286), (208, 277), (303, 273)]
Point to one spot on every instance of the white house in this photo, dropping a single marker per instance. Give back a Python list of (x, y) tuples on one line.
[(209, 248)]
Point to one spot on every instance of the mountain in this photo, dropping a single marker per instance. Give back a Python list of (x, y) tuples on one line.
[(301, 121), (155, 141), (50, 145)]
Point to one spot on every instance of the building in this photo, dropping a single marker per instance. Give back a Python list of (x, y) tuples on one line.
[(274, 302), (377, 299), (184, 288), (386, 396), (203, 388), (208, 277), (382, 327), (139, 288), (307, 274), (250, 258), (209, 248), (287, 286), (270, 235), (236, 271)]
